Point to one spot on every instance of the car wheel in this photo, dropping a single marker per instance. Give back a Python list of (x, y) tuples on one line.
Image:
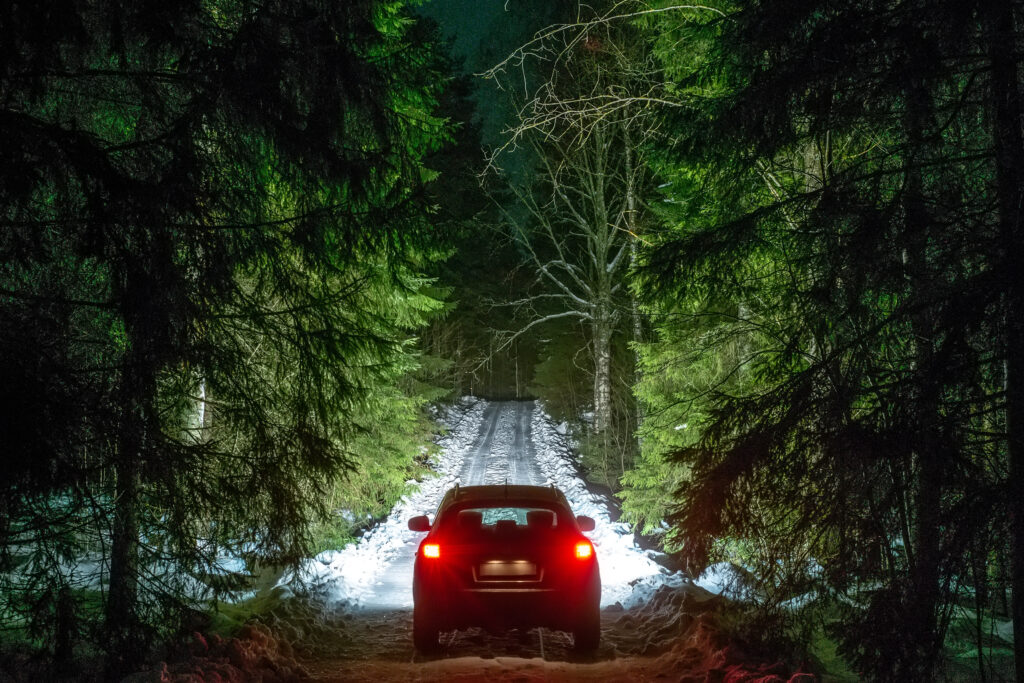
[(424, 630), (587, 634)]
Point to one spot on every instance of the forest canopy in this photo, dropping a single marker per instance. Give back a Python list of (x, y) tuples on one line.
[(760, 256), (214, 234)]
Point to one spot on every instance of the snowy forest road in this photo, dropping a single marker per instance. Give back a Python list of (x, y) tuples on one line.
[(502, 449), (487, 465), (369, 584)]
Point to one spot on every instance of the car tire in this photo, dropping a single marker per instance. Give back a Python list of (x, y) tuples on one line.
[(587, 634), (425, 633)]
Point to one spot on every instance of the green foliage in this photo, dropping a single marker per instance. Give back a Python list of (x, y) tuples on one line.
[(830, 314), (694, 361), (213, 216)]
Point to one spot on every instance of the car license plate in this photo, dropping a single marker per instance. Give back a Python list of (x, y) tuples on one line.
[(500, 568)]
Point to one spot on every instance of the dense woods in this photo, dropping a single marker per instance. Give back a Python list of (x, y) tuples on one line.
[(833, 294), (213, 234), (760, 256)]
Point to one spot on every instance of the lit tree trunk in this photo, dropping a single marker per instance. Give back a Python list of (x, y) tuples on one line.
[(602, 242), (196, 426), (1009, 154), (602, 372), (634, 308)]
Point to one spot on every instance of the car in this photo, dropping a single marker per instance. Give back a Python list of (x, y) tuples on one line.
[(501, 557)]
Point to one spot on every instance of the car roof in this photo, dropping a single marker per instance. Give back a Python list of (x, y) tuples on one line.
[(497, 492)]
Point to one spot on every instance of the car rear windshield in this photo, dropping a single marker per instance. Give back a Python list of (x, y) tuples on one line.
[(488, 516)]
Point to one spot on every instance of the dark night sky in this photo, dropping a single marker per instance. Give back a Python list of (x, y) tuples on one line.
[(482, 33), (468, 22), (484, 30)]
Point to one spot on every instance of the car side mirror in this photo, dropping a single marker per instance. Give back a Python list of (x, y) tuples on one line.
[(586, 523), (419, 523)]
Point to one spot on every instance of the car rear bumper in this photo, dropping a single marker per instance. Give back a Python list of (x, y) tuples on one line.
[(496, 608)]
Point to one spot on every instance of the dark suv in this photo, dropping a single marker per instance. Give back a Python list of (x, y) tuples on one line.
[(505, 557)]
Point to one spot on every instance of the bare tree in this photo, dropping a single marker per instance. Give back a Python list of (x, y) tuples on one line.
[(578, 244), (586, 126)]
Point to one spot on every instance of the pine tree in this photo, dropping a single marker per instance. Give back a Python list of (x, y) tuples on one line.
[(220, 206), (834, 180)]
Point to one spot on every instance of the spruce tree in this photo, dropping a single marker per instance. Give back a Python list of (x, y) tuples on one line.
[(833, 181), (219, 207)]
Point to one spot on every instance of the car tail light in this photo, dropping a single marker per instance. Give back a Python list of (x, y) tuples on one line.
[(584, 550), (433, 550)]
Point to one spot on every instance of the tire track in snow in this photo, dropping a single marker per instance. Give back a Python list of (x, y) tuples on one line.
[(523, 458), (474, 468), (495, 453)]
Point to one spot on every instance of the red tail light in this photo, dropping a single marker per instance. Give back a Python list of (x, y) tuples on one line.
[(584, 550), (433, 550)]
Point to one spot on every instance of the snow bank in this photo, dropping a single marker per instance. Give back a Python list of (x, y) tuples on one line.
[(629, 575), (347, 576)]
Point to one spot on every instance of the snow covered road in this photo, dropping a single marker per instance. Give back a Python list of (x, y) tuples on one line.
[(504, 448), (655, 624), (487, 443)]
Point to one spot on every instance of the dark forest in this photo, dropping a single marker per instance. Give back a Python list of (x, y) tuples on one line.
[(757, 257)]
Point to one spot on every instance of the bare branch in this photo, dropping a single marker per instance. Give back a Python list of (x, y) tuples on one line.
[(533, 323), (537, 44)]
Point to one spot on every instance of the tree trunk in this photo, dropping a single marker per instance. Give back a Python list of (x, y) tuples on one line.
[(602, 373), (631, 226), (925, 573), (138, 388), (122, 613), (1009, 155)]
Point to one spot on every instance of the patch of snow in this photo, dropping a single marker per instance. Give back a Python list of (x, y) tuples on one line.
[(800, 601), (348, 576), (725, 578), (1004, 630)]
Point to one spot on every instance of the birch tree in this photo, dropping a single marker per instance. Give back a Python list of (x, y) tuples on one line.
[(577, 243), (580, 221)]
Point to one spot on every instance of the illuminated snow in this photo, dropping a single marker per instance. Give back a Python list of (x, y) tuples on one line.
[(623, 565), (376, 571)]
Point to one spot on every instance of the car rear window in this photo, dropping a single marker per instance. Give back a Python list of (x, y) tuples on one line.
[(488, 517)]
